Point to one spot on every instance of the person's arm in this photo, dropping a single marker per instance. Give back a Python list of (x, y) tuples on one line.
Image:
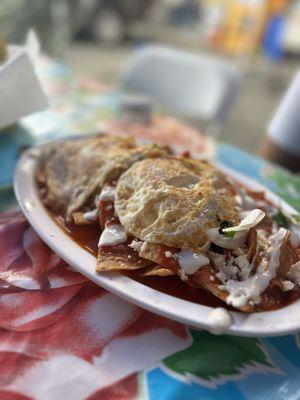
[(282, 144), (276, 154)]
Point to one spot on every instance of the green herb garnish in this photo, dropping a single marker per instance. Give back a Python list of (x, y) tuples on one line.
[(280, 219), (155, 146), (226, 224), (230, 234)]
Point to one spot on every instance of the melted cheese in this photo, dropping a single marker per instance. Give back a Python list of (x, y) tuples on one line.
[(191, 262), (136, 245), (112, 236)]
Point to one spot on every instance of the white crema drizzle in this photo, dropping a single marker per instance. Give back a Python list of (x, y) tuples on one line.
[(240, 292), (112, 235), (107, 193), (191, 262), (92, 215), (220, 320)]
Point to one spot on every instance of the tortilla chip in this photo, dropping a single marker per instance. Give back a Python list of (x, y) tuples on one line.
[(119, 262), (252, 243), (78, 219), (288, 257), (157, 270), (206, 278), (272, 298), (74, 171)]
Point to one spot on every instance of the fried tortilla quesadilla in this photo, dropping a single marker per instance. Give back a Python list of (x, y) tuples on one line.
[(164, 215), (73, 171)]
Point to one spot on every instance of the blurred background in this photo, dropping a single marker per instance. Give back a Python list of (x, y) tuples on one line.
[(96, 38)]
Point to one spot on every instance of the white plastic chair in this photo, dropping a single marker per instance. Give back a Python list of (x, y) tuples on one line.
[(199, 88)]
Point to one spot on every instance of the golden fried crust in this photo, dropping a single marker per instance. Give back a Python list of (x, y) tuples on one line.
[(173, 201), (118, 262), (73, 171), (157, 270), (121, 263)]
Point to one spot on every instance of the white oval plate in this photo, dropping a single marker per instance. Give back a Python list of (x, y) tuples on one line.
[(270, 323)]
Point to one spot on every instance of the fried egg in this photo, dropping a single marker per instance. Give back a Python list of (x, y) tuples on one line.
[(173, 201)]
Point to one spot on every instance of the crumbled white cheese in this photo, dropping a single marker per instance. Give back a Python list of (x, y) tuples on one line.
[(287, 285), (240, 292), (237, 267), (182, 275), (245, 267), (169, 254), (112, 235), (242, 261), (230, 269), (108, 207), (236, 276), (136, 245)]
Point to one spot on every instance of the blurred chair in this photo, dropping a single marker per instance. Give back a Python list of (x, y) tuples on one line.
[(199, 88)]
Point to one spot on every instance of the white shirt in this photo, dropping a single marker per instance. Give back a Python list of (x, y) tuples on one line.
[(284, 129)]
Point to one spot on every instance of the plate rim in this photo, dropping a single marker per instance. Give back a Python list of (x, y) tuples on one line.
[(195, 315)]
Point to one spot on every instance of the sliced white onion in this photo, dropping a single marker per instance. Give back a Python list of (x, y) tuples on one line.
[(252, 219), (224, 241)]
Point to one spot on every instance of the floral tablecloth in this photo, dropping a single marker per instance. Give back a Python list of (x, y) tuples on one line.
[(63, 337)]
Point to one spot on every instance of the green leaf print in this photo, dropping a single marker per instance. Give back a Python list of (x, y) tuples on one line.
[(288, 185), (211, 358)]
